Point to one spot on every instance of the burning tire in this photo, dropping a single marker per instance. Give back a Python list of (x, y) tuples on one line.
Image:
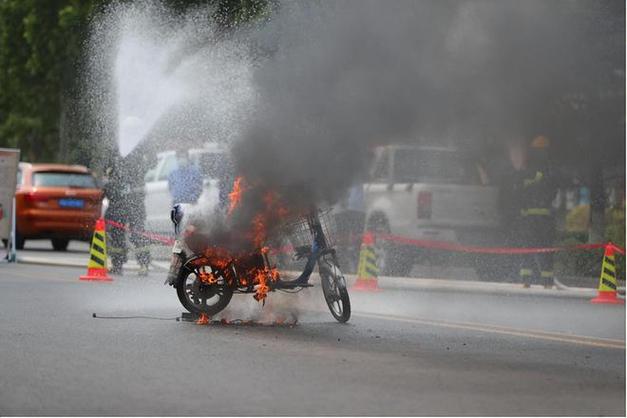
[(334, 289), (198, 297)]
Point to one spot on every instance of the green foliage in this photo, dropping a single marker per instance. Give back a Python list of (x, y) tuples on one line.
[(232, 13), (580, 262), (588, 263), (41, 55), (578, 219), (40, 43), (615, 226)]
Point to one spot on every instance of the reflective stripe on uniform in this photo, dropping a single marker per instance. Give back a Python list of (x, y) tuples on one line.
[(546, 274), (538, 177), (535, 212), (526, 272)]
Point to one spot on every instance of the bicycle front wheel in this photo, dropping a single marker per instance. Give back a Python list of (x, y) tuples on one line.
[(198, 297), (334, 289)]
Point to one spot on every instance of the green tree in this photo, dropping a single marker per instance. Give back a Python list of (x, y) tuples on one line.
[(42, 53), (40, 43)]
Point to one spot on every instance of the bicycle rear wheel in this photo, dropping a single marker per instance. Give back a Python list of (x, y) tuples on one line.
[(334, 289)]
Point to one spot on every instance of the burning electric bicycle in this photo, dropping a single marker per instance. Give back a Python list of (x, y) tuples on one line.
[(205, 284)]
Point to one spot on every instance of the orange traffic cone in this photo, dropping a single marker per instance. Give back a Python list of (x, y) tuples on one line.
[(607, 282), (367, 270), (97, 265)]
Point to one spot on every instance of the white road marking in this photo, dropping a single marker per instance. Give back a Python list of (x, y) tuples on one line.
[(497, 329)]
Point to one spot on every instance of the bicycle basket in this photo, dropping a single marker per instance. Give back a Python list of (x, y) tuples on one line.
[(329, 227), (299, 234)]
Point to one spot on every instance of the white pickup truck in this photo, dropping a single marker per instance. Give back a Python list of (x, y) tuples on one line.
[(427, 193)]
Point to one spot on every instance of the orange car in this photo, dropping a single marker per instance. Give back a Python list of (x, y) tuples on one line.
[(57, 202)]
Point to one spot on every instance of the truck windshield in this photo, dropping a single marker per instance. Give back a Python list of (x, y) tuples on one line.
[(63, 179), (413, 166)]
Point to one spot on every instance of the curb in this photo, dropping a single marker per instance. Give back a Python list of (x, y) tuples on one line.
[(391, 283), (444, 285), (447, 285), (71, 263), (50, 262)]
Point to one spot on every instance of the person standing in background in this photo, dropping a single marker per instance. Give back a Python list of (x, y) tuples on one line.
[(126, 209), (137, 217), (528, 208), (116, 191), (185, 182)]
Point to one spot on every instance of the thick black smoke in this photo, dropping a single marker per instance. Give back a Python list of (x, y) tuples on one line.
[(337, 78), (344, 76)]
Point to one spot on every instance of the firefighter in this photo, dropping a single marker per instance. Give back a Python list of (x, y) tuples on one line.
[(137, 218), (533, 192), (126, 209)]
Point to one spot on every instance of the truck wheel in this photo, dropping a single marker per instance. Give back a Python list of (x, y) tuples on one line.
[(392, 259), (19, 241), (60, 244)]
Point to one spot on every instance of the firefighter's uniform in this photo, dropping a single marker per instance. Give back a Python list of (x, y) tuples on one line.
[(536, 222), (126, 207)]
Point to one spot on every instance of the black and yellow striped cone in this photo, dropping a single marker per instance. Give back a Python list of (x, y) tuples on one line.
[(367, 270), (607, 282), (97, 264)]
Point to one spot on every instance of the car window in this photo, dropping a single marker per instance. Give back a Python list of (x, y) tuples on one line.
[(19, 177), (63, 179), (169, 164), (415, 165), (150, 175), (380, 170)]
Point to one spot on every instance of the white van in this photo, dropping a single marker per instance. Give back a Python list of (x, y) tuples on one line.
[(158, 201)]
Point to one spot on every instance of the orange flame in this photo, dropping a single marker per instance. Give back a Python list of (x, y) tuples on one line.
[(259, 276), (207, 277), (235, 197), (203, 319)]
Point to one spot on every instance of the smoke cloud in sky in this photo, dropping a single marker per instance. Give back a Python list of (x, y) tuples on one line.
[(302, 97), (344, 76)]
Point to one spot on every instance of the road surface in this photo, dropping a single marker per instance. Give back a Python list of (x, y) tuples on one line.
[(405, 351)]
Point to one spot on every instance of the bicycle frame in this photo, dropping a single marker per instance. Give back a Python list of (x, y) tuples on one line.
[(210, 292), (319, 248)]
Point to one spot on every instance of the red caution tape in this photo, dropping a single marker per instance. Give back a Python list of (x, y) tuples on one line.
[(617, 248), (436, 245), (150, 235), (449, 246)]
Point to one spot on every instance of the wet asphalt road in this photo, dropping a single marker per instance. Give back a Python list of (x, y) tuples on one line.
[(403, 353)]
